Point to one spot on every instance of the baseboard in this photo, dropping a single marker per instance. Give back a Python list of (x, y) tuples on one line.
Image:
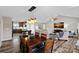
[(7, 40)]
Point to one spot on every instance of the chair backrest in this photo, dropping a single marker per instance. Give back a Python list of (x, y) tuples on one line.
[(22, 41), (61, 34), (43, 36), (36, 35), (66, 34), (49, 46)]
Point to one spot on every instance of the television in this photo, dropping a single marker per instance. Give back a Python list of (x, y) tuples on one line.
[(59, 25)]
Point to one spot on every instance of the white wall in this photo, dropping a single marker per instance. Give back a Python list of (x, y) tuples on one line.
[(69, 22), (6, 28), (78, 27), (0, 33)]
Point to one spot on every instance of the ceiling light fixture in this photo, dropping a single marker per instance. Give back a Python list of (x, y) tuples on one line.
[(32, 8)]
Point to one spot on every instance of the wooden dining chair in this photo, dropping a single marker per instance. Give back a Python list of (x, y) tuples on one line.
[(43, 36), (36, 35), (48, 46), (23, 47)]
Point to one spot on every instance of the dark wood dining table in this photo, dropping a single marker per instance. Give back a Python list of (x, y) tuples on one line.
[(30, 43)]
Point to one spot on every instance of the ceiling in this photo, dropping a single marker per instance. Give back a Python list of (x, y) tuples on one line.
[(14, 11), (41, 12)]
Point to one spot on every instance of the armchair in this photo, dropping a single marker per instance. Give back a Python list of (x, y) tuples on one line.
[(63, 35)]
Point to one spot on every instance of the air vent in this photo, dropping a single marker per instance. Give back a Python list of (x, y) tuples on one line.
[(32, 8)]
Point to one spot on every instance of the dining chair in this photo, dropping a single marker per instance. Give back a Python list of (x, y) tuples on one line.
[(49, 46), (36, 35), (77, 45), (63, 36), (43, 36)]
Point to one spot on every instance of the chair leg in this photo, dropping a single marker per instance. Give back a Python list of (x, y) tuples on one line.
[(51, 51)]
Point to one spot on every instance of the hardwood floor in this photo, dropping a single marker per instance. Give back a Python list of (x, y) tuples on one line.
[(13, 46), (7, 47)]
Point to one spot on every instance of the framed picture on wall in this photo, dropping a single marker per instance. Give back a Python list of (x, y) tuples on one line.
[(59, 25)]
